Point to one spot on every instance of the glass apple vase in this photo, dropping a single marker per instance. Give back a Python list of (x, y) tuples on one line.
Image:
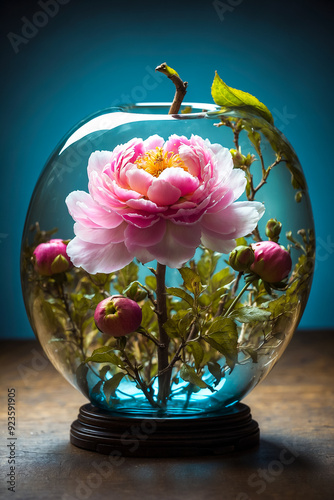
[(222, 337)]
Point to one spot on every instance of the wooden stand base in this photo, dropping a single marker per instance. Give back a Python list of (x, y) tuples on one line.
[(213, 433)]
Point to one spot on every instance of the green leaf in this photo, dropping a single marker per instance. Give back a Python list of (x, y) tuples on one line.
[(222, 278), (198, 353), (121, 343), (104, 370), (151, 282), (218, 294), (97, 387), (131, 290), (81, 376), (105, 355), (192, 280), (147, 314), (248, 314), (252, 353), (223, 336), (188, 374), (205, 300), (171, 328), (285, 303), (219, 324), (226, 96), (111, 385), (182, 294), (81, 303), (126, 275), (207, 264), (44, 310), (185, 323), (215, 370)]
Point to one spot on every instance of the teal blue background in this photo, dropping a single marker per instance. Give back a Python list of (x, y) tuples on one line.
[(91, 55)]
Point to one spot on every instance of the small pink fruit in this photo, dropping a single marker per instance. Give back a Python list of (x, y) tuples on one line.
[(272, 262), (117, 316), (51, 258)]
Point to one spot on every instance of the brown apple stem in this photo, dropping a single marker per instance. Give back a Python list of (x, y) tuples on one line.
[(180, 85)]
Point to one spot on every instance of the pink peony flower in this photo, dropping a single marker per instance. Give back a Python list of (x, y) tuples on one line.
[(158, 200), (51, 258), (272, 262), (117, 316)]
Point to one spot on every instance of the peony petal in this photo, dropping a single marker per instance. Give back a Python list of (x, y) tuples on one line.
[(237, 182), (101, 189), (187, 215), (139, 180), (190, 159), (210, 241), (85, 210), (188, 236), (99, 161), (124, 194), (163, 193), (183, 204), (180, 179), (170, 251), (145, 206), (96, 258), (128, 153), (214, 146), (196, 140), (122, 177), (143, 255), (154, 141), (235, 221), (220, 200), (102, 236), (144, 237), (175, 142), (140, 220), (223, 162)]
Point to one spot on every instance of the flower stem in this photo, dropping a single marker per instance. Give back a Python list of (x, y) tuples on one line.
[(230, 309), (164, 378), (164, 369), (74, 329), (140, 382)]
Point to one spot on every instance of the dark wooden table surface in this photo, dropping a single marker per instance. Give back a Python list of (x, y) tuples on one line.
[(294, 408)]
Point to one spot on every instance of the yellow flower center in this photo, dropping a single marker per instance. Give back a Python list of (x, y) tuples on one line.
[(156, 161)]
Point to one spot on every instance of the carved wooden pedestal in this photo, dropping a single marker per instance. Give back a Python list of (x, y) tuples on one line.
[(213, 433)]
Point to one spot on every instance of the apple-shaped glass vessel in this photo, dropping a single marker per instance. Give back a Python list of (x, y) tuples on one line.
[(167, 259)]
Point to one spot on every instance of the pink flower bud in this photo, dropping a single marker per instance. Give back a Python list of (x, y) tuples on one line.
[(117, 316), (272, 262), (51, 258)]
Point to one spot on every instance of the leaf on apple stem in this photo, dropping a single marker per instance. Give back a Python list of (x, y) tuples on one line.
[(226, 96)]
